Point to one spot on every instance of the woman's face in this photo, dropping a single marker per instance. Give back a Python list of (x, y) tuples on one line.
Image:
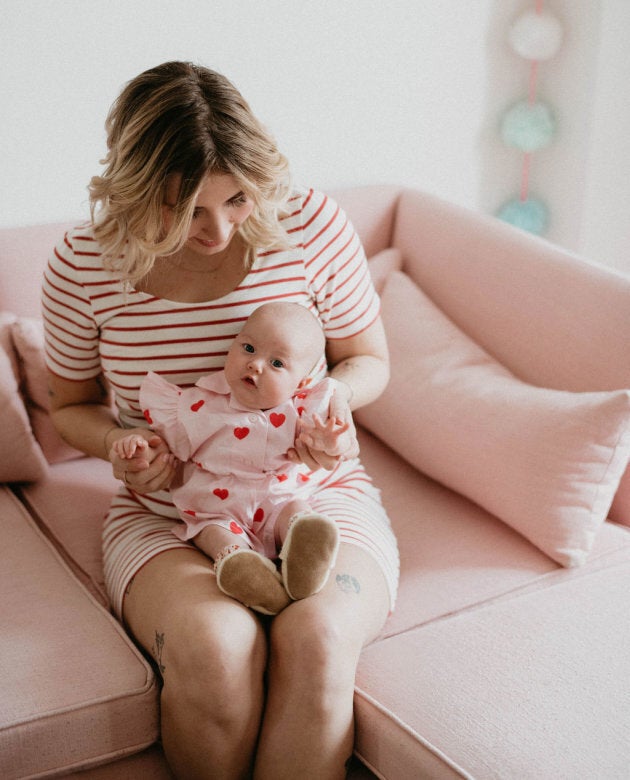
[(221, 208)]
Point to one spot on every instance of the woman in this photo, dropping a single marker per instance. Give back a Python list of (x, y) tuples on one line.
[(194, 225)]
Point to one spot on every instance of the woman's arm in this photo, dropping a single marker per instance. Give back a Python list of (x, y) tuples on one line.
[(81, 414), (360, 364)]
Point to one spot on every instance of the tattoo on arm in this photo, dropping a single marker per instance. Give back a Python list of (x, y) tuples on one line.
[(348, 584), (158, 649)]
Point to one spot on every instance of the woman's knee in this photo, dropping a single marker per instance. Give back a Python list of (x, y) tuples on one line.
[(310, 644), (213, 656)]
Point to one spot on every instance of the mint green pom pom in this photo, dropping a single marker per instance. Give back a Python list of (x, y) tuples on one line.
[(528, 127), (531, 215)]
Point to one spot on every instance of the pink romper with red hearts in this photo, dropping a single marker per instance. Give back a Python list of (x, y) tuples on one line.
[(236, 473)]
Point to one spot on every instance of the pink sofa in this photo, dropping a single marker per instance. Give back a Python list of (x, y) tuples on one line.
[(501, 448)]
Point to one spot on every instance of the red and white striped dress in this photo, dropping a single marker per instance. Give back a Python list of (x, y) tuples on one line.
[(95, 325)]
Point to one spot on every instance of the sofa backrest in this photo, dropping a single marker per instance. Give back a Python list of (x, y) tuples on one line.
[(24, 252)]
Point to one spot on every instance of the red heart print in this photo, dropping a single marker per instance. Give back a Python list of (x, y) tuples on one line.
[(301, 395), (282, 477), (259, 515), (300, 410), (147, 416), (197, 406), (235, 528), (190, 512), (276, 419), (241, 433), (304, 477), (221, 493)]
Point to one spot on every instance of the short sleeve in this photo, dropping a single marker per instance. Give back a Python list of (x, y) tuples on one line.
[(71, 333), (336, 269), (160, 403)]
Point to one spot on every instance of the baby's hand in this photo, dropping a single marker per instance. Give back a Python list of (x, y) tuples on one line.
[(332, 437), (130, 446)]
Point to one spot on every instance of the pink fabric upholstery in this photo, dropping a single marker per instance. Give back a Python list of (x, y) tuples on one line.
[(477, 677), (21, 458), (546, 462), (77, 691), (23, 256), (28, 339), (527, 302), (496, 663), (382, 264)]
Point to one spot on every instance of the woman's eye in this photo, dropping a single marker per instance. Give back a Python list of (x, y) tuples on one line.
[(277, 363), (196, 214), (239, 200)]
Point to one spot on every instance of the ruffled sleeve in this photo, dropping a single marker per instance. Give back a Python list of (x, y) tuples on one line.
[(316, 400), (160, 402)]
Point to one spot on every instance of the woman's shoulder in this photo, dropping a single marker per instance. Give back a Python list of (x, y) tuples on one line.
[(78, 244), (307, 205)]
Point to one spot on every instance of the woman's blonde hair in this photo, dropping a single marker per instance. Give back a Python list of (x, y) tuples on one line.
[(184, 119)]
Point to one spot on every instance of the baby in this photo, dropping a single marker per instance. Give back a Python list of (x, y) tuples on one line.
[(241, 499)]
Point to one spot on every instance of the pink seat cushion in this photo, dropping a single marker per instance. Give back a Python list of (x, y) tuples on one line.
[(477, 707), (78, 692)]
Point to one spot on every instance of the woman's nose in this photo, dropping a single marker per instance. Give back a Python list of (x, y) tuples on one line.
[(217, 228)]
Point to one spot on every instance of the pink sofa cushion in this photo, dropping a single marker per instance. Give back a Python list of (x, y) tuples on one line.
[(77, 692), (534, 685), (28, 338), (546, 462), (21, 458)]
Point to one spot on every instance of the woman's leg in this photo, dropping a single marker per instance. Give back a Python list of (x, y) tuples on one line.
[(211, 651), (308, 725)]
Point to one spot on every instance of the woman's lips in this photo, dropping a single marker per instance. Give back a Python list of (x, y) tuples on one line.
[(205, 243)]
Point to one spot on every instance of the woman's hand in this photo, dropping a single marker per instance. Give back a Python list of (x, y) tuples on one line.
[(150, 468), (323, 445)]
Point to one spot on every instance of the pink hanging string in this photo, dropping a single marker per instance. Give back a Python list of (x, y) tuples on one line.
[(531, 98)]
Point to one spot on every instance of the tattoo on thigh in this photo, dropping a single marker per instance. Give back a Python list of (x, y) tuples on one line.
[(348, 584), (129, 584), (158, 649)]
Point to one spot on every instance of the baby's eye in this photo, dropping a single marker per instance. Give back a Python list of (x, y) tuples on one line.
[(248, 348), (277, 363)]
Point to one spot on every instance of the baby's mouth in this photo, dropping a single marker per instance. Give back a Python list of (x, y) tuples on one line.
[(249, 381)]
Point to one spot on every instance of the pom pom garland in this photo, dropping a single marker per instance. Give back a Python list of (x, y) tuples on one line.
[(536, 36), (529, 125), (531, 214)]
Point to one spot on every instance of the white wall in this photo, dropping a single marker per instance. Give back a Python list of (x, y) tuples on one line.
[(355, 91)]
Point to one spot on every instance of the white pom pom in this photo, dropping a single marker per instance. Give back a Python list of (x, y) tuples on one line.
[(536, 36)]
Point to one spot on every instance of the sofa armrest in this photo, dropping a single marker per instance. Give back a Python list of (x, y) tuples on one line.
[(552, 318)]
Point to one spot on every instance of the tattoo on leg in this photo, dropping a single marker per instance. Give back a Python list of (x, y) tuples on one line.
[(158, 649), (129, 584), (348, 584)]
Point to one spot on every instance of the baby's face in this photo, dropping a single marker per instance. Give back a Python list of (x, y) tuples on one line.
[(265, 366)]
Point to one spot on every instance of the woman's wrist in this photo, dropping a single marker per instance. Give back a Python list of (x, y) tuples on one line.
[(107, 443)]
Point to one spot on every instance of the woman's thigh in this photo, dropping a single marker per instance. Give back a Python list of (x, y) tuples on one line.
[(175, 611)]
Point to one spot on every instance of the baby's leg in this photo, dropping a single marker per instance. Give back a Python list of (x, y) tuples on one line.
[(310, 542), (242, 573)]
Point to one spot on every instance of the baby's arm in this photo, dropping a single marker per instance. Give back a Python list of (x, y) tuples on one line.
[(130, 446)]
